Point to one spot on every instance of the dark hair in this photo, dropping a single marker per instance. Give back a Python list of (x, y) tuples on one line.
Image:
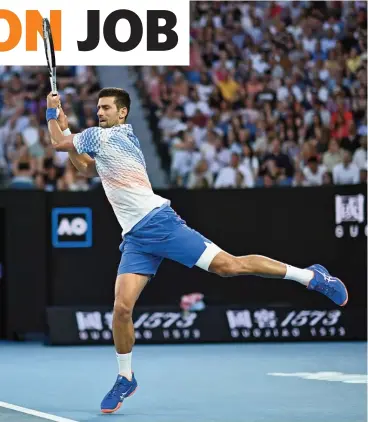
[(247, 144), (312, 159), (122, 98)]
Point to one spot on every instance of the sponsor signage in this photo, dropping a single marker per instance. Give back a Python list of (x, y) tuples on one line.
[(84, 325)]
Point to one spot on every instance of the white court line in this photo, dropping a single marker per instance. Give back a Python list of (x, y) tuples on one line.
[(35, 413)]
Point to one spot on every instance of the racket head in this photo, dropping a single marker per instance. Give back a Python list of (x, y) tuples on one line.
[(50, 53)]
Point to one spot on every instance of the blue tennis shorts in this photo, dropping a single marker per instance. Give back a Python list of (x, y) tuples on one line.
[(163, 234)]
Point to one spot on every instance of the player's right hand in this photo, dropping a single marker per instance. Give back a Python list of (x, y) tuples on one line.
[(53, 101), (62, 119)]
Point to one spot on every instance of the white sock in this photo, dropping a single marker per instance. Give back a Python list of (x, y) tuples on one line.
[(125, 364), (297, 274)]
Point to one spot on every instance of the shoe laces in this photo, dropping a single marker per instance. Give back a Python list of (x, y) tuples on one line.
[(115, 390)]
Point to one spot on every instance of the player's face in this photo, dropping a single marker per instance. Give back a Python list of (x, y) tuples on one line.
[(107, 112)]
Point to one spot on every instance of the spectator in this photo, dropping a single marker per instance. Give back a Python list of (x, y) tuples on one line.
[(223, 154), (362, 129), (201, 177), (23, 167), (282, 161), (205, 87), (169, 123), (232, 143), (208, 147), (359, 106), (354, 60), (346, 173), (313, 172), (327, 179), (233, 176), (333, 156), (260, 144), (185, 158), (320, 110), (319, 54), (341, 121), (351, 142), (250, 165), (310, 42), (329, 42), (268, 181), (299, 179), (194, 103), (32, 139), (50, 181), (360, 155), (340, 128), (254, 86), (315, 127), (228, 86)]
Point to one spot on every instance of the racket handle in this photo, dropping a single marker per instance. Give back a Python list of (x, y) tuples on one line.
[(53, 87)]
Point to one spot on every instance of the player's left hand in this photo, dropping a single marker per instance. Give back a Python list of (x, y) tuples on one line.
[(53, 101)]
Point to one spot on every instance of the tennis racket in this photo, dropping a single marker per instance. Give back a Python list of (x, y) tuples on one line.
[(50, 54)]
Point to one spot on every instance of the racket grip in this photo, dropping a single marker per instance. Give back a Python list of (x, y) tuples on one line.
[(53, 87)]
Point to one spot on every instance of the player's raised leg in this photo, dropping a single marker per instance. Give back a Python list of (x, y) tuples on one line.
[(315, 277), (128, 287), (178, 242)]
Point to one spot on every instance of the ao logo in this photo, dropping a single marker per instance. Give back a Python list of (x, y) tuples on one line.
[(78, 226), (71, 227)]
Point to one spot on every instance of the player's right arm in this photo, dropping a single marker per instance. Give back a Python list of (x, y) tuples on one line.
[(82, 162), (87, 142)]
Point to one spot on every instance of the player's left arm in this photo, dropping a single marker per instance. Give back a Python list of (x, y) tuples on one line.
[(58, 140)]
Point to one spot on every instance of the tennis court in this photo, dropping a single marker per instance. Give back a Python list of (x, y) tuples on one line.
[(232, 383)]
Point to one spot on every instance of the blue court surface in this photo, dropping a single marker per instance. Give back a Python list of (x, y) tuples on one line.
[(304, 382)]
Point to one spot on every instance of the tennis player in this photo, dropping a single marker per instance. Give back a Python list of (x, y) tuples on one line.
[(152, 230)]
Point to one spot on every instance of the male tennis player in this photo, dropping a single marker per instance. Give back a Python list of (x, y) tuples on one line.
[(152, 230)]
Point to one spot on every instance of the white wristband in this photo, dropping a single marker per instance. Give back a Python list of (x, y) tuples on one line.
[(67, 132)]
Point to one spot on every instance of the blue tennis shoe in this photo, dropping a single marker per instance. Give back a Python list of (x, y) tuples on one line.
[(122, 389), (328, 285)]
